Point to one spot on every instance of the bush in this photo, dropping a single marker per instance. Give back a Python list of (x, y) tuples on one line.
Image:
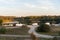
[(55, 38), (59, 33), (2, 30), (43, 28), (1, 22)]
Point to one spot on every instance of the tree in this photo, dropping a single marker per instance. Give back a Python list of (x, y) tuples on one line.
[(1, 22), (43, 28), (19, 19), (27, 20)]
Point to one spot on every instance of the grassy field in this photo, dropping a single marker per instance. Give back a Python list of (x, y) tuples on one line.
[(15, 38), (18, 31), (54, 31), (24, 31)]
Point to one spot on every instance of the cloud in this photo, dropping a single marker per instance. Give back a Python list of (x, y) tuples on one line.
[(29, 5), (46, 4), (8, 1), (42, 6)]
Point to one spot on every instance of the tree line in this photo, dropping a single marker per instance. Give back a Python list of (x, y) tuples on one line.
[(43, 19)]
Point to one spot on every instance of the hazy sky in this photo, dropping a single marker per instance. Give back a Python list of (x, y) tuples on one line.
[(29, 7)]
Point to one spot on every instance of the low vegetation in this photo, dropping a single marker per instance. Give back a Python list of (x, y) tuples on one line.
[(18, 31), (43, 28), (1, 22), (3, 30)]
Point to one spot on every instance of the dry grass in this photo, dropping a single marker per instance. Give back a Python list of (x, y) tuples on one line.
[(54, 31), (18, 31)]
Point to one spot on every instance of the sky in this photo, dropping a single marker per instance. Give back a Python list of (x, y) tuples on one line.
[(29, 7)]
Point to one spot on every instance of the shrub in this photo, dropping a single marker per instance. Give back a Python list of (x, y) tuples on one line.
[(43, 28), (1, 22), (2, 30), (59, 33), (55, 38)]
